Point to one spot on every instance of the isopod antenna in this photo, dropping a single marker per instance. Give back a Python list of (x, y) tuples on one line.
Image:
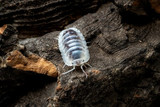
[(84, 71), (69, 71)]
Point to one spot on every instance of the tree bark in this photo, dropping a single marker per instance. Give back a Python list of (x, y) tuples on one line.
[(124, 45), (35, 18)]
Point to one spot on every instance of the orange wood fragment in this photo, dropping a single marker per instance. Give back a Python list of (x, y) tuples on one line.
[(155, 4), (32, 63), (2, 29), (96, 71)]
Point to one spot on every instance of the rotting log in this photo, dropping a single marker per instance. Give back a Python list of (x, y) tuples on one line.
[(124, 56)]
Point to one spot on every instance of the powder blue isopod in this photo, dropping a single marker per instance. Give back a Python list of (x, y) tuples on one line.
[(73, 48)]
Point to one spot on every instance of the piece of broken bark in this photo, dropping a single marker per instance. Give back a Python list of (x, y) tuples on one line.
[(139, 7), (32, 63), (121, 55), (124, 56), (155, 4), (132, 6), (37, 18), (8, 39), (15, 82), (17, 60), (2, 29)]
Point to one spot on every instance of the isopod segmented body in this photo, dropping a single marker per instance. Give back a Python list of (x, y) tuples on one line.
[(73, 48)]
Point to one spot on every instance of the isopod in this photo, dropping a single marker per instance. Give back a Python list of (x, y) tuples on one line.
[(73, 48)]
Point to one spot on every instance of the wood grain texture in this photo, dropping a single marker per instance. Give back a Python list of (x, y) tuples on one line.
[(121, 56), (139, 7), (34, 17), (155, 4), (124, 49)]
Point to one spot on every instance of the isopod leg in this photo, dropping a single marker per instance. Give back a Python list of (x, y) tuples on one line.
[(69, 71), (64, 65), (88, 65), (84, 71), (85, 66)]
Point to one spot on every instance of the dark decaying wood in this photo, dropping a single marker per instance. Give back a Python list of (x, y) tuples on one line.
[(124, 45), (34, 17)]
